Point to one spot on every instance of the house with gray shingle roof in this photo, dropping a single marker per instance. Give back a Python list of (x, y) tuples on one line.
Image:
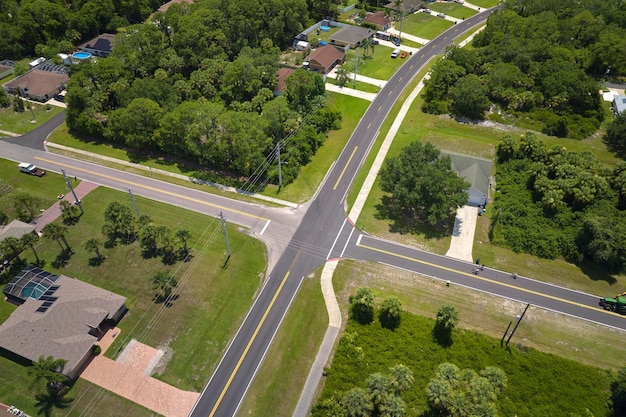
[(619, 104), (15, 229), (351, 35), (57, 316), (477, 172)]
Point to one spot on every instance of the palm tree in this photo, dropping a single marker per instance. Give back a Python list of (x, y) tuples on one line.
[(57, 232), (378, 386), (165, 282), (29, 239), (48, 369), (362, 305), (342, 76), (183, 235), (357, 403), (401, 378), (11, 247), (447, 316), (392, 406), (93, 245), (367, 45)]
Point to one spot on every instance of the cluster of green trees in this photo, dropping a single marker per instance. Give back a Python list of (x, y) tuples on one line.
[(47, 27), (422, 187), (554, 202), (362, 308), (198, 84), (535, 60)]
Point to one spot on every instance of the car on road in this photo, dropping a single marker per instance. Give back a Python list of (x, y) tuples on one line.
[(395, 41), (31, 169), (403, 54)]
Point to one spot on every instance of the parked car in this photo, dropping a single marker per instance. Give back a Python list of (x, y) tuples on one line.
[(395, 53), (375, 42), (441, 15), (403, 54), (395, 41), (425, 10), (31, 169)]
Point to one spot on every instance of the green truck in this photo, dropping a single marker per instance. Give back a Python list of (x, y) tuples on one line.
[(617, 304)]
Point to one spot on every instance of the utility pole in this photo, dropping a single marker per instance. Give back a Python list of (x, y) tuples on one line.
[(69, 185), (132, 198), (356, 67), (225, 235), (280, 169), (517, 324)]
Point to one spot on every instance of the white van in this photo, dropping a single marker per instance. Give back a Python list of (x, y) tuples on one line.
[(395, 53)]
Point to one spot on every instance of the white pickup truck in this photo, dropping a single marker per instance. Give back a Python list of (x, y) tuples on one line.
[(31, 169)]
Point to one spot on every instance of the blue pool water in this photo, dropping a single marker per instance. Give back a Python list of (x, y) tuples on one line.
[(324, 28), (81, 55)]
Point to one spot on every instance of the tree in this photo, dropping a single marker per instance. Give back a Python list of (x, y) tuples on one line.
[(357, 403), (11, 247), (401, 378), (183, 235), (362, 305), (392, 406), (165, 282), (397, 8), (29, 239), (615, 136), (343, 76), (447, 317), (617, 400), (5, 101), (390, 313), (422, 185), (378, 388), (57, 232), (69, 212), (93, 245), (25, 205), (301, 89), (462, 393), (48, 370), (18, 104), (469, 97), (119, 223)]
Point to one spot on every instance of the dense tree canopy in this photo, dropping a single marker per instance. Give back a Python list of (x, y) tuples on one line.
[(422, 184), (535, 59)]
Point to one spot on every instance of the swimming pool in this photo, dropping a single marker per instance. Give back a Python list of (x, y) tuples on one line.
[(81, 55)]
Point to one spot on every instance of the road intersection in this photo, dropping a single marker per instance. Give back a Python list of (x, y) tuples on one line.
[(303, 239)]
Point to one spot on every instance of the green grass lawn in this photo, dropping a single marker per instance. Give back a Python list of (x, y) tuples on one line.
[(13, 182), (378, 65), (311, 175), (452, 9), (557, 386), (424, 25), (360, 86), (22, 122), (485, 3), (212, 297)]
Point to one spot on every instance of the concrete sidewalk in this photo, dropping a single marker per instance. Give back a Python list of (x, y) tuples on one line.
[(54, 212), (350, 92), (361, 78), (408, 36)]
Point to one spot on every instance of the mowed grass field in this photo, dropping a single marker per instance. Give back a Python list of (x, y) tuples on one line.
[(27, 120), (211, 299), (424, 25)]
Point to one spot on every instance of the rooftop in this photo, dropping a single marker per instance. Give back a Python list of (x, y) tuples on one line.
[(103, 43), (38, 83), (15, 229)]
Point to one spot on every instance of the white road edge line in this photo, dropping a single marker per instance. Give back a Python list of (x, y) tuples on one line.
[(336, 237), (347, 241), (265, 227)]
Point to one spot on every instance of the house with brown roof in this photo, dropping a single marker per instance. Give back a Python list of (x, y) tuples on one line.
[(57, 316), (5, 70), (167, 5), (38, 85), (324, 58), (378, 19), (352, 36), (282, 75), (101, 45), (406, 6)]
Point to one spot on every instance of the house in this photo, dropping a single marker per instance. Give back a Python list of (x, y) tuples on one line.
[(282, 75), (38, 85), (619, 104), (5, 70), (167, 5), (56, 316), (477, 172), (324, 58), (99, 46), (405, 7), (352, 36), (16, 229), (378, 20)]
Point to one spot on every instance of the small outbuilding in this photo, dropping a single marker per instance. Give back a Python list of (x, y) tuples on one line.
[(282, 75), (302, 46)]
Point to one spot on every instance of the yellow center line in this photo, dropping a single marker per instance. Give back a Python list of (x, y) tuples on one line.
[(344, 168), (243, 213), (256, 331), (503, 284)]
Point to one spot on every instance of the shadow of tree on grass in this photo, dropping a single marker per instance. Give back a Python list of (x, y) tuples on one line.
[(405, 222)]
